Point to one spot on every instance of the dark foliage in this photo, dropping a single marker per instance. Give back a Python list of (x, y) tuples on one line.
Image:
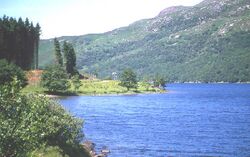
[(9, 72), (58, 54), (128, 79), (159, 81), (19, 42), (208, 42), (55, 79), (29, 122), (69, 58)]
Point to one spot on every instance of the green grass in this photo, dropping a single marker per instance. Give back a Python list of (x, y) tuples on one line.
[(47, 152), (111, 87), (33, 89), (55, 151), (100, 87), (95, 87)]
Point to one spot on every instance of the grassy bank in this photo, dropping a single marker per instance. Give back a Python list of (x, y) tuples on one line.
[(55, 151), (98, 87), (112, 87)]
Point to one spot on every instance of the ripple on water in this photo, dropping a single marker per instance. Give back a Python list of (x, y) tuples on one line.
[(191, 120)]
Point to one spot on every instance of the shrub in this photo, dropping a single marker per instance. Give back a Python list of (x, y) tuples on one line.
[(55, 79), (145, 84), (76, 82), (27, 122), (159, 81), (9, 71)]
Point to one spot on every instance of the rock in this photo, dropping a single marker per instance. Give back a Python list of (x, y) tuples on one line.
[(105, 151), (100, 155), (89, 146)]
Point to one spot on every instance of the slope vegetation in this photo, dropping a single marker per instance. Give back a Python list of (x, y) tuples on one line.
[(209, 42)]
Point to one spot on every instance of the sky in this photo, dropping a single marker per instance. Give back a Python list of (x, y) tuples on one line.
[(78, 17)]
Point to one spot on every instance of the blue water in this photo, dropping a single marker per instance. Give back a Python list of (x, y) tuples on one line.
[(190, 120)]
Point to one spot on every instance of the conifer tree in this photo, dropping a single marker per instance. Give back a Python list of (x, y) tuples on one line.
[(19, 42), (59, 59), (69, 58)]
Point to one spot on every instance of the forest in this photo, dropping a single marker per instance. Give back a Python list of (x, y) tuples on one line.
[(19, 40), (190, 44)]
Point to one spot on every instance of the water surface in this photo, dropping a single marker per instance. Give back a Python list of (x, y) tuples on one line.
[(190, 120)]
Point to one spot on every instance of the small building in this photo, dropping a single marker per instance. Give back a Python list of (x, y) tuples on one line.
[(114, 76)]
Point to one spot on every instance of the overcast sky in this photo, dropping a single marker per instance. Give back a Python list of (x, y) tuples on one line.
[(77, 17)]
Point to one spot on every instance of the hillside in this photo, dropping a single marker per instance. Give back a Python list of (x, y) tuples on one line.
[(209, 42)]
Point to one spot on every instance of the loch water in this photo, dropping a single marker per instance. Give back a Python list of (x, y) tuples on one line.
[(189, 120)]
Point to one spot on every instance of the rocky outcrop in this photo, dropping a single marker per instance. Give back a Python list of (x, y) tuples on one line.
[(90, 147)]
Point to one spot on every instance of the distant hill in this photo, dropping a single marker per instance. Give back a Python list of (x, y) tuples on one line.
[(209, 42)]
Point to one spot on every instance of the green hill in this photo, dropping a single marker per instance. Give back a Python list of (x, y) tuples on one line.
[(209, 42)]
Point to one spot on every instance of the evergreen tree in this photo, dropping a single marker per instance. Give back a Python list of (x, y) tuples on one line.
[(36, 44), (59, 59), (69, 58), (72, 56), (19, 42)]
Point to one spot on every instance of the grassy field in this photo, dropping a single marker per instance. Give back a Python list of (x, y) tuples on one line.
[(112, 87), (33, 89), (97, 87)]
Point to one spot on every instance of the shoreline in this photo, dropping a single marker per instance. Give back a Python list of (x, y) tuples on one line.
[(122, 94), (209, 82), (108, 94)]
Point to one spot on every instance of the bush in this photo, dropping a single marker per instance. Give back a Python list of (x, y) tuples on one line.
[(159, 81), (55, 151), (145, 84), (27, 122), (55, 79), (9, 71), (47, 152), (128, 79), (76, 82)]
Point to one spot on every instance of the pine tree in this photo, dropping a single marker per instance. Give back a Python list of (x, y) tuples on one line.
[(69, 58), (37, 38), (59, 59), (19, 42), (72, 55)]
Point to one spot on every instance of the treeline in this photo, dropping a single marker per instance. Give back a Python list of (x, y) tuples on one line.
[(55, 77), (19, 42), (65, 57)]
